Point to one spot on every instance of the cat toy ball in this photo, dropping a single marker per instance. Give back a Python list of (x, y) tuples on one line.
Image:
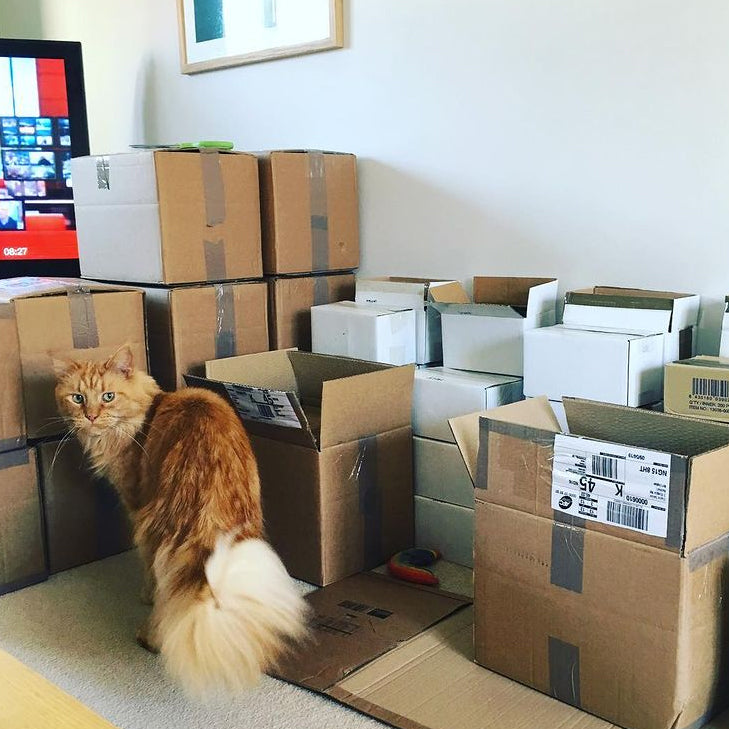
[(412, 565)]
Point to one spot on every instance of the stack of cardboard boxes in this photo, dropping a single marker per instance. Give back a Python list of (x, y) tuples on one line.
[(310, 214), (55, 513), (186, 227), (612, 346)]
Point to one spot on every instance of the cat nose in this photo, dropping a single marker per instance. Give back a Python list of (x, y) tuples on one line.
[(91, 417)]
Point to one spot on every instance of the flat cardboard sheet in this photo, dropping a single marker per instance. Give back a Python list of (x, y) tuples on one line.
[(414, 668)]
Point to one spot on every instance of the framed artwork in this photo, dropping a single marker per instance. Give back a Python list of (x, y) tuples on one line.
[(220, 33)]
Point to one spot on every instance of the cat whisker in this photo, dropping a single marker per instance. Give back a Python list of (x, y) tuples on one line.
[(71, 432)]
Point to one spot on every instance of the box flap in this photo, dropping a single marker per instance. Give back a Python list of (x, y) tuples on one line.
[(644, 428), (26, 287), (494, 310), (536, 412), (432, 682), (451, 291), (271, 370), (506, 290), (639, 308), (362, 405), (358, 619)]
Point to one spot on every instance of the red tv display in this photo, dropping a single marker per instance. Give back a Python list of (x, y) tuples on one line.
[(36, 197)]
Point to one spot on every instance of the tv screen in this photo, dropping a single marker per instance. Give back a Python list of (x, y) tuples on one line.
[(42, 125)]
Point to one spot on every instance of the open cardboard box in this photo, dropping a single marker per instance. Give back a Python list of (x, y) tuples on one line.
[(601, 559), (625, 309), (334, 446), (488, 334)]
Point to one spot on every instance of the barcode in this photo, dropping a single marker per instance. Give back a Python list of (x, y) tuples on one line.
[(627, 515), (265, 411), (605, 466), (707, 386)]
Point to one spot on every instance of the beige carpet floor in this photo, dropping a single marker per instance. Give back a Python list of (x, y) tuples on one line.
[(78, 628)]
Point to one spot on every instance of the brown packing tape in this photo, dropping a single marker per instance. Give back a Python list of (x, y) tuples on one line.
[(11, 459), (225, 331), (318, 214), (364, 472), (83, 318), (321, 290)]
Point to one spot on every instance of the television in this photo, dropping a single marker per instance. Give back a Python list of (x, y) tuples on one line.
[(42, 126)]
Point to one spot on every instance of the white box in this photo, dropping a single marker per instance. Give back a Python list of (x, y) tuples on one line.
[(417, 294), (632, 310), (440, 472), (445, 527), (488, 335), (364, 331), (440, 393), (617, 367)]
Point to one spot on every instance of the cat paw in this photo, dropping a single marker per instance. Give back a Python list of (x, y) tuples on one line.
[(146, 640)]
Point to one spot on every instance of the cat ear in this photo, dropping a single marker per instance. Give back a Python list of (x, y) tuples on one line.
[(61, 365), (122, 361)]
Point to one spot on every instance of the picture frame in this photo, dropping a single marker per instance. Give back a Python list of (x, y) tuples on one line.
[(222, 33)]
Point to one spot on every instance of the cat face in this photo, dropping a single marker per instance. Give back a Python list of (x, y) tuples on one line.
[(99, 397)]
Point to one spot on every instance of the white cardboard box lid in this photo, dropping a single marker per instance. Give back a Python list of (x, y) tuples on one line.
[(416, 291), (356, 308)]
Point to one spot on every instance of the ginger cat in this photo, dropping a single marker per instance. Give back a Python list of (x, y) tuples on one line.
[(224, 606)]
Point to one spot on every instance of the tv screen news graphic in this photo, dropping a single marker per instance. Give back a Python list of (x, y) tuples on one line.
[(41, 104)]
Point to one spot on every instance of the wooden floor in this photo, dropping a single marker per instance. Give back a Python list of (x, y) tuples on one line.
[(29, 701)]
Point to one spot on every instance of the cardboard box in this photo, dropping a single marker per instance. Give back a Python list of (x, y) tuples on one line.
[(618, 367), (334, 446), (67, 319), (445, 527), (168, 217), (189, 325), (85, 519), (488, 335), (441, 393), (309, 211), (376, 639), (22, 552), (676, 315), (642, 644), (12, 413), (440, 473), (698, 387), (364, 331), (418, 294), (290, 300)]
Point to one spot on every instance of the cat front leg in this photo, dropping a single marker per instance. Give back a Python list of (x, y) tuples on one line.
[(148, 633)]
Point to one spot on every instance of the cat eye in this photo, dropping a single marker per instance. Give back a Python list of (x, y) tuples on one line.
[(78, 398), (108, 396)]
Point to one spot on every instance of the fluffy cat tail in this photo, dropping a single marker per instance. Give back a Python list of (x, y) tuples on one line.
[(224, 635)]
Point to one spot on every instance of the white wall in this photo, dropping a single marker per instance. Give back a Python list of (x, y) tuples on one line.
[(583, 139)]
